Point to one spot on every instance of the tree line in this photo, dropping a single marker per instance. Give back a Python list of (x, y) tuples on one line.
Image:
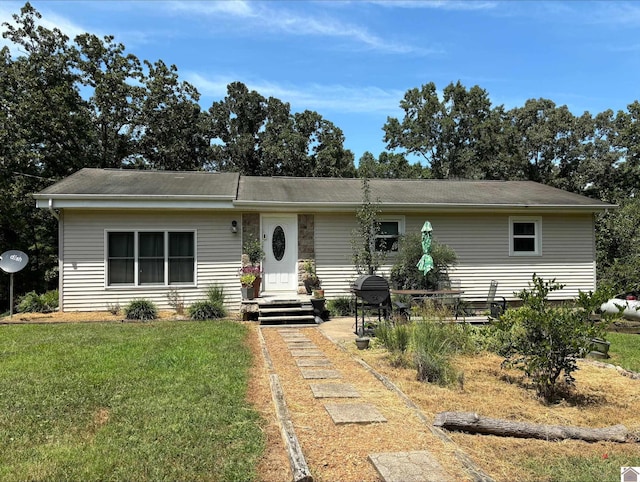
[(67, 104)]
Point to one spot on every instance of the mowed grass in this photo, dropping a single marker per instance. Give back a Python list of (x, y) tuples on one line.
[(624, 350), (152, 401)]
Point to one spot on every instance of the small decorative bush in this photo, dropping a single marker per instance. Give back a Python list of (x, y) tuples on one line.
[(175, 301), (206, 310), (113, 308), (32, 302), (342, 306), (215, 294), (141, 309)]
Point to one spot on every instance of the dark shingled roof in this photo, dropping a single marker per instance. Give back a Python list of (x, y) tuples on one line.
[(132, 182), (409, 191), (327, 192)]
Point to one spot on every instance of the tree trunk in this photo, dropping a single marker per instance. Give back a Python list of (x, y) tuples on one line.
[(472, 422)]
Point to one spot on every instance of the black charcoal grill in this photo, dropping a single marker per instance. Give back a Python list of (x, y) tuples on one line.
[(373, 293)]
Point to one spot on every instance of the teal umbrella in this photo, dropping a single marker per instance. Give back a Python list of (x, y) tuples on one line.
[(426, 262)]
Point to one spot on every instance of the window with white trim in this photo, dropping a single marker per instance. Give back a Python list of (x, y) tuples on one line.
[(525, 236), (388, 236), (143, 258)]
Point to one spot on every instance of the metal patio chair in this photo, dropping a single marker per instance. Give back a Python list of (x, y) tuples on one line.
[(495, 307)]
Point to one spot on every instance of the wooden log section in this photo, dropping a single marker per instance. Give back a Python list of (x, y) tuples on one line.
[(474, 423)]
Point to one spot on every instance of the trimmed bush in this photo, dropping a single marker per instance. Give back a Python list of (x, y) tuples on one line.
[(141, 309), (32, 302), (342, 306), (206, 310)]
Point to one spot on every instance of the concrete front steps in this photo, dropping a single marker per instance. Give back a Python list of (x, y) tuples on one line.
[(283, 312)]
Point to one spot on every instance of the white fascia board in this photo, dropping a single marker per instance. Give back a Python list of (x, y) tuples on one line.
[(120, 202)]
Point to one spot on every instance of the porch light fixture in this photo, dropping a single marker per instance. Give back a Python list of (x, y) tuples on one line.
[(234, 226)]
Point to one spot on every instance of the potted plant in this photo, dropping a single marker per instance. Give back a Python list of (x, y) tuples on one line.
[(252, 250), (362, 342), (309, 277), (257, 272), (246, 282)]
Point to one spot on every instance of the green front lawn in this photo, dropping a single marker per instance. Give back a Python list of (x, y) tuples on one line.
[(153, 401), (624, 350)]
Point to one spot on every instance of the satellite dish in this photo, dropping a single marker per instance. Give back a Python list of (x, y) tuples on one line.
[(13, 261)]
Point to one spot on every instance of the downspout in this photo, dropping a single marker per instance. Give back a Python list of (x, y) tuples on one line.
[(58, 217)]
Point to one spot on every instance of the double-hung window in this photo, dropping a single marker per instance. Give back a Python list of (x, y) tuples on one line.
[(141, 258), (525, 236), (389, 234)]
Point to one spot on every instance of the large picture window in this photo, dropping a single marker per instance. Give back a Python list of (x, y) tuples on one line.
[(525, 235), (142, 258)]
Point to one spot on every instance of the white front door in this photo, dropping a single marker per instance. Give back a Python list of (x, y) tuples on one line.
[(280, 244)]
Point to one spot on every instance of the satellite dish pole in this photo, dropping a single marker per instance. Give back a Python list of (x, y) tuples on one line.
[(11, 262)]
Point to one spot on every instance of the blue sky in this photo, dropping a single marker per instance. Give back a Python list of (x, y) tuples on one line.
[(353, 61)]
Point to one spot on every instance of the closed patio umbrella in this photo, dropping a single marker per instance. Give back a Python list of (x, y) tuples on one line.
[(426, 261)]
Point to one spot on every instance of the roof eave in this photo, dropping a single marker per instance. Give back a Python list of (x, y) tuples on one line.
[(415, 207)]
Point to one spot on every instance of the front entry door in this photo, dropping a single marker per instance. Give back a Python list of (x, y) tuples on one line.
[(280, 244)]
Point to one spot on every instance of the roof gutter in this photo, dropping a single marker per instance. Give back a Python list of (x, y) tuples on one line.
[(53, 212)]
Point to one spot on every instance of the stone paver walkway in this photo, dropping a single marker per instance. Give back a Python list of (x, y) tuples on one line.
[(345, 405)]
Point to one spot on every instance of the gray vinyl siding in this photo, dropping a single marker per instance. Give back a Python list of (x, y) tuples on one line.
[(481, 242), (218, 253)]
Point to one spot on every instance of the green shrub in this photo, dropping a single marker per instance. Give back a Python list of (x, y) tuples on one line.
[(342, 306), (35, 303), (141, 309), (544, 339), (405, 273), (50, 300), (206, 310), (30, 303)]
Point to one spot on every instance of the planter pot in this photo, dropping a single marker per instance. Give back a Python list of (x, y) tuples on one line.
[(599, 346), (318, 306), (247, 292), (362, 343), (308, 285), (318, 293), (256, 287)]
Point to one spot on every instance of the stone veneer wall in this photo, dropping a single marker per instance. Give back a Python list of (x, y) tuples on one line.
[(306, 245), (250, 227)]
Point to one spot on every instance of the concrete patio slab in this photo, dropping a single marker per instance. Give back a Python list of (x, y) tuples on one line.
[(354, 413), (313, 362), (334, 390), (306, 353), (307, 345), (319, 374), (418, 466)]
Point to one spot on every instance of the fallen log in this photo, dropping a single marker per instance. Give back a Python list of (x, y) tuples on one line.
[(474, 423)]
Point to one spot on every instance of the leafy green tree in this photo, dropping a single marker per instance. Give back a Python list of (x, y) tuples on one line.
[(552, 140), (618, 247), (175, 128), (390, 166), (258, 136), (115, 102), (456, 135), (366, 259)]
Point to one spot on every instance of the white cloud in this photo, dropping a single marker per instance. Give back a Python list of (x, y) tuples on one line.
[(318, 97), (438, 4), (264, 15)]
